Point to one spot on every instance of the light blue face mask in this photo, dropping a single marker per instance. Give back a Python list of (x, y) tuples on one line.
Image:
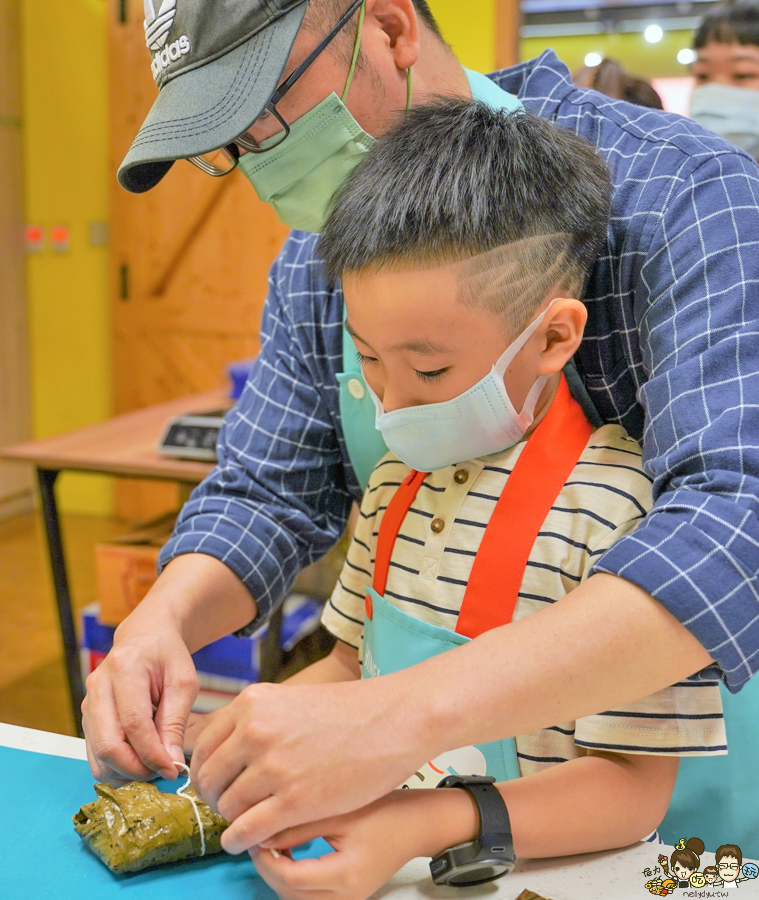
[(301, 175), (477, 423), (731, 112)]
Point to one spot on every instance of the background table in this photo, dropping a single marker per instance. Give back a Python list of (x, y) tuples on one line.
[(124, 446), (617, 874)]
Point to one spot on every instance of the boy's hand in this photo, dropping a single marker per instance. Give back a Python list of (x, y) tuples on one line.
[(371, 844)]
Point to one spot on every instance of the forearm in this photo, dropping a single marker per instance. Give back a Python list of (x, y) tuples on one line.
[(196, 595), (605, 644), (588, 804), (592, 803), (340, 665)]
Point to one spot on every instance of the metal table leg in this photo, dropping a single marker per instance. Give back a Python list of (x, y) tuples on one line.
[(271, 651), (46, 478)]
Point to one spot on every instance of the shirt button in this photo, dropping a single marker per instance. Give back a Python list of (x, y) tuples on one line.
[(356, 389), (437, 525), (461, 476)]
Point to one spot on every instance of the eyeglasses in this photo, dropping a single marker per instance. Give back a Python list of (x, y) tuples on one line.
[(221, 162)]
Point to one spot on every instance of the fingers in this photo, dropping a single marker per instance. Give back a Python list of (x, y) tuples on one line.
[(217, 730), (196, 725), (108, 751), (258, 824), (295, 876), (134, 706), (300, 834), (248, 787), (224, 773), (104, 773), (178, 695)]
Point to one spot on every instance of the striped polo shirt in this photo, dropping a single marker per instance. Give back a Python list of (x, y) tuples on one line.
[(605, 497)]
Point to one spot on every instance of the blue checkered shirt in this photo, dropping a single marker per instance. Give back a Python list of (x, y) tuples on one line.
[(671, 352)]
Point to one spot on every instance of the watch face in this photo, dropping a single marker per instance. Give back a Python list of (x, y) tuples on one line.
[(479, 872)]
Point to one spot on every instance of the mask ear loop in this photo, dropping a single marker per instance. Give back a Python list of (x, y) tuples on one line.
[(356, 49), (354, 63), (500, 366)]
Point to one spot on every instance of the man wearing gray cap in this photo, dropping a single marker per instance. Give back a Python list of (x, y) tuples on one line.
[(293, 93)]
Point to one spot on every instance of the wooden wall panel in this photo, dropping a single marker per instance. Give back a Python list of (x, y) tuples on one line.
[(190, 261), (508, 19), (15, 404)]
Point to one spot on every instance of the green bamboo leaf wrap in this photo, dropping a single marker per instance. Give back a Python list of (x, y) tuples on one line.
[(136, 826)]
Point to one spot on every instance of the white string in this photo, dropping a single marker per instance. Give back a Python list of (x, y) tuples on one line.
[(181, 793)]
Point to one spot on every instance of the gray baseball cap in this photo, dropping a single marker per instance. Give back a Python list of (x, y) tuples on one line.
[(216, 64)]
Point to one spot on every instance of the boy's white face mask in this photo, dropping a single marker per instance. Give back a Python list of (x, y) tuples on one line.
[(477, 423)]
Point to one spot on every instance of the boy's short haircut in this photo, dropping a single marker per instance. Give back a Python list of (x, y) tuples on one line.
[(711, 870), (730, 23), (459, 181), (729, 850)]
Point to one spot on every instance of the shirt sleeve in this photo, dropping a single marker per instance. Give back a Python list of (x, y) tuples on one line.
[(343, 614), (683, 720), (278, 498), (697, 308)]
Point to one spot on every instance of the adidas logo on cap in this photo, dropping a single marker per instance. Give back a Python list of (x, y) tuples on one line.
[(157, 27)]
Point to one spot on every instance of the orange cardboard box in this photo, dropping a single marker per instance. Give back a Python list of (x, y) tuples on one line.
[(124, 575), (127, 568)]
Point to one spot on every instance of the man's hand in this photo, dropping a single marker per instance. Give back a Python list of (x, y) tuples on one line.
[(370, 845), (136, 708), (281, 755), (284, 755), (139, 698)]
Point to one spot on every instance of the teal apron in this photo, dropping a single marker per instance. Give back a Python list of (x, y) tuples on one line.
[(716, 798), (394, 640)]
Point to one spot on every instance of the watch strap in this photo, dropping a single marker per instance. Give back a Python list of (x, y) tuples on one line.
[(495, 826), (493, 846), (494, 817)]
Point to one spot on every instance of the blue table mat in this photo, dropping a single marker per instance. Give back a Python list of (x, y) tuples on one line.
[(42, 856)]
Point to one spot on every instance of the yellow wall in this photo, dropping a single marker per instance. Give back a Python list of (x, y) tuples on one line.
[(470, 30), (632, 50), (65, 82)]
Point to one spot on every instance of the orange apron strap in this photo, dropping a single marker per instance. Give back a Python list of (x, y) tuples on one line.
[(535, 482), (391, 524)]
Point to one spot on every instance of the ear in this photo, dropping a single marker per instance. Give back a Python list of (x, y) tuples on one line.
[(398, 27), (561, 333)]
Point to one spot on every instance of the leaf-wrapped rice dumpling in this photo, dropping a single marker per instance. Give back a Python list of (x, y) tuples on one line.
[(137, 826)]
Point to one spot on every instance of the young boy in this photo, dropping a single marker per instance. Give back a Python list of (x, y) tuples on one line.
[(463, 241)]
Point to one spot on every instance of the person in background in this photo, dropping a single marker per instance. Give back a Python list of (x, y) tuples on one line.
[(610, 78), (726, 97)]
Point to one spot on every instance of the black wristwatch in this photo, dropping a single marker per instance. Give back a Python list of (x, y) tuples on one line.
[(491, 854)]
